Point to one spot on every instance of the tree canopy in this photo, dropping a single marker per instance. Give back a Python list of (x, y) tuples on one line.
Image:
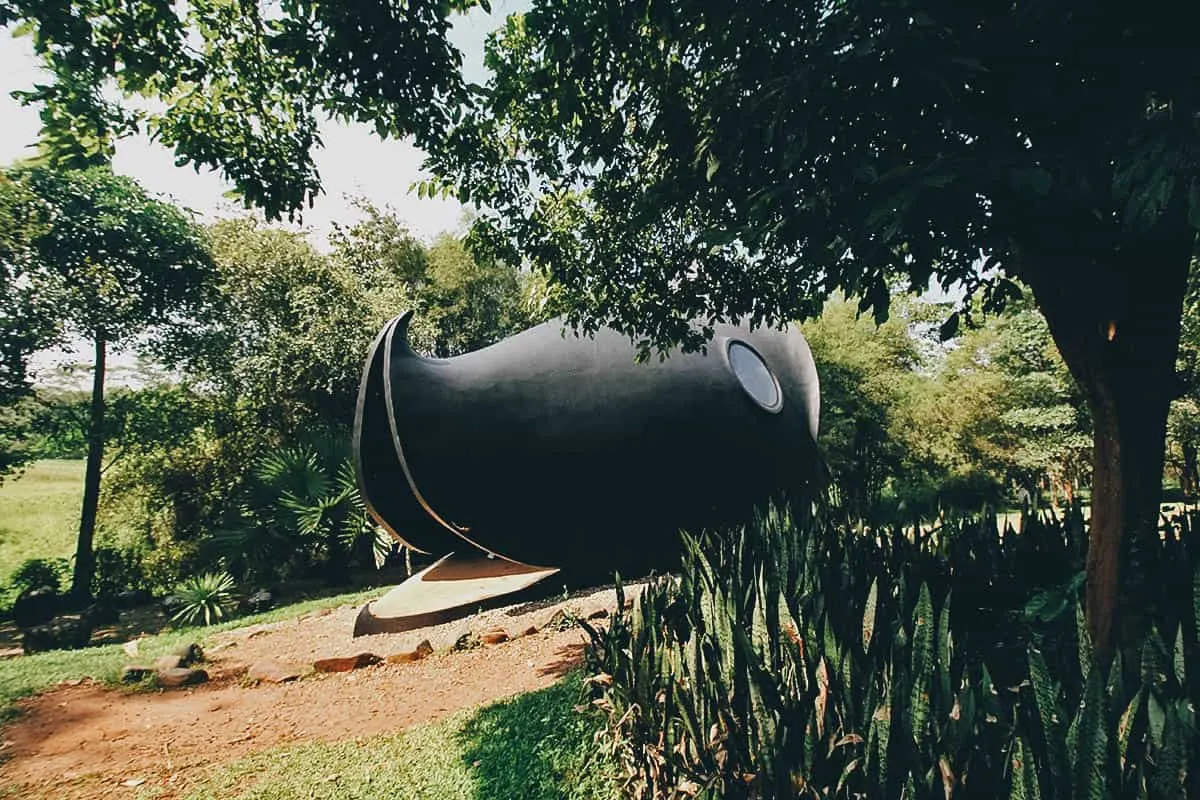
[(244, 85)]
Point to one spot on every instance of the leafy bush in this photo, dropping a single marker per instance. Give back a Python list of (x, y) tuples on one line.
[(37, 572), (118, 569), (807, 660), (208, 598)]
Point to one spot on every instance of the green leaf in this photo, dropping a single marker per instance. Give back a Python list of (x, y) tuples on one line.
[(869, 621), (1023, 783), (1125, 726), (1180, 661), (922, 661), (1084, 637), (1167, 779), (1091, 741)]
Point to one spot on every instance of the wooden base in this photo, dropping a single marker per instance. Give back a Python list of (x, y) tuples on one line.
[(450, 589)]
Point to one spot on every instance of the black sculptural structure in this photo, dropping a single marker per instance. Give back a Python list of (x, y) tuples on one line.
[(556, 451)]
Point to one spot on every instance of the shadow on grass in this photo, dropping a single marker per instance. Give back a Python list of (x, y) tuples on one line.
[(538, 746)]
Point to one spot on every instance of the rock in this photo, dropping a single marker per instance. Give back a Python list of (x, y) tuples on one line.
[(530, 631), (35, 606), (61, 633), (131, 648), (599, 613), (272, 672), (163, 663), (259, 601), (131, 598), (190, 653), (135, 673), (346, 663), (494, 636), (422, 650), (180, 676)]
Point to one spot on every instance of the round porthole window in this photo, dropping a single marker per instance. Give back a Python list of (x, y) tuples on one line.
[(755, 376)]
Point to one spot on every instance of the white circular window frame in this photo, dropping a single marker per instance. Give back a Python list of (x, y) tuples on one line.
[(774, 408)]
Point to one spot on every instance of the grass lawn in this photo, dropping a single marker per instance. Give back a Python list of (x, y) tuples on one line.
[(39, 514), (534, 746), (26, 675)]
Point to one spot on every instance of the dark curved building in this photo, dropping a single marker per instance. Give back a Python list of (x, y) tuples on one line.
[(556, 450)]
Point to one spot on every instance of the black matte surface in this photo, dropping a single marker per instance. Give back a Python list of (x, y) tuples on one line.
[(556, 450)]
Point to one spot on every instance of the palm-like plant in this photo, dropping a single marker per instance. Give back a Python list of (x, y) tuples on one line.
[(208, 598), (304, 503)]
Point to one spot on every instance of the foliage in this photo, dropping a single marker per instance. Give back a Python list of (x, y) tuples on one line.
[(867, 375), (287, 337), (794, 658), (303, 512), (676, 165), (134, 420), (207, 597), (472, 301), (118, 569), (116, 267), (37, 572), (464, 300), (26, 318), (241, 88)]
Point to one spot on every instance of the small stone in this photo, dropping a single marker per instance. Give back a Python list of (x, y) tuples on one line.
[(191, 653), (422, 650), (346, 663), (180, 676), (494, 636), (530, 631), (272, 672), (168, 662), (136, 673), (130, 648)]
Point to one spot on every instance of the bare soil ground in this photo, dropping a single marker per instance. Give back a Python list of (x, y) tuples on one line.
[(90, 741)]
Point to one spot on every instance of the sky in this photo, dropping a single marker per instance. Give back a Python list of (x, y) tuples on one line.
[(353, 161)]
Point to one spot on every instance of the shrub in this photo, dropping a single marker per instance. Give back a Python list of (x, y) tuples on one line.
[(118, 570), (37, 572), (208, 598), (805, 660)]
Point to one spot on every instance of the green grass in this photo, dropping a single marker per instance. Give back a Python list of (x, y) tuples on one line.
[(26, 675), (534, 746), (39, 514)]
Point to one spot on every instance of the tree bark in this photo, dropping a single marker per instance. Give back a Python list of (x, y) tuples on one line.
[(85, 557), (1116, 322)]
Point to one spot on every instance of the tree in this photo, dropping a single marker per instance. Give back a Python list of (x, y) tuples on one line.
[(242, 85), (669, 162), (26, 320), (867, 374), (466, 300), (117, 267), (287, 337)]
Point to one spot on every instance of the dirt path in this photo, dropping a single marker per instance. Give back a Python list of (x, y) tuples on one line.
[(90, 741)]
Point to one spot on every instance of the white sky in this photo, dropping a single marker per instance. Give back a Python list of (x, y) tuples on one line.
[(353, 161)]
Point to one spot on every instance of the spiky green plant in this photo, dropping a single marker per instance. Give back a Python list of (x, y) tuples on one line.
[(204, 598), (794, 658)]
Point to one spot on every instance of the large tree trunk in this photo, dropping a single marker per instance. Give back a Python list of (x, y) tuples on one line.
[(1116, 323), (85, 557)]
